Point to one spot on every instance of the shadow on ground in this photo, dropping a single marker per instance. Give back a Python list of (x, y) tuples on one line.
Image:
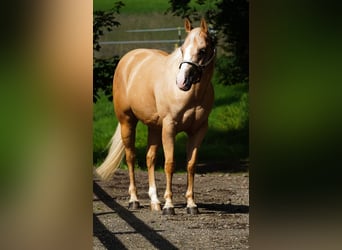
[(109, 240)]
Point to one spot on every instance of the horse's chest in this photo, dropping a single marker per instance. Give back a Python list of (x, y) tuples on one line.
[(192, 116)]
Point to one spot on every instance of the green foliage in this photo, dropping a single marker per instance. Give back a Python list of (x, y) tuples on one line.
[(104, 20), (232, 19), (139, 7), (146, 7), (103, 72), (227, 71), (191, 8), (103, 69), (180, 8)]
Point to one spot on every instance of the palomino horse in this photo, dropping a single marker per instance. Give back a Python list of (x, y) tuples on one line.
[(170, 94)]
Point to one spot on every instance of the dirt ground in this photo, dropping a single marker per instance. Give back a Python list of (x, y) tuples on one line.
[(223, 222)]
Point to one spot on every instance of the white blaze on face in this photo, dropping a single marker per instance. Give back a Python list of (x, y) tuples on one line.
[(181, 76)]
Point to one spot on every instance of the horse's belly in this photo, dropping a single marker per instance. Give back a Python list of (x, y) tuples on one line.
[(153, 119)]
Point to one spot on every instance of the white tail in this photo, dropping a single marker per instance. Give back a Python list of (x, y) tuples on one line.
[(114, 157)]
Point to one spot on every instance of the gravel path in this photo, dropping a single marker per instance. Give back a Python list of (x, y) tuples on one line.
[(223, 222)]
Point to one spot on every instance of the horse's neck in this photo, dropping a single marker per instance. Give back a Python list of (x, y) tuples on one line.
[(201, 88), (174, 60)]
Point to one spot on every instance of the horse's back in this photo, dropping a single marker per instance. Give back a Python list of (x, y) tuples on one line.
[(136, 65), (134, 81), (138, 57)]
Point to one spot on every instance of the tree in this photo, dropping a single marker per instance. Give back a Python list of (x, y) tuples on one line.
[(103, 69), (104, 20), (231, 19)]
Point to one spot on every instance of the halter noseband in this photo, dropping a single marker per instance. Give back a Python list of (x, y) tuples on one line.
[(199, 66)]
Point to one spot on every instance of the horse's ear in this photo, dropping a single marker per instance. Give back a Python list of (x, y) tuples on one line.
[(187, 25), (204, 26)]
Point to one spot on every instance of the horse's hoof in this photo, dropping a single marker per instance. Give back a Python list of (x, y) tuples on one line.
[(155, 207), (134, 205), (169, 211), (192, 210)]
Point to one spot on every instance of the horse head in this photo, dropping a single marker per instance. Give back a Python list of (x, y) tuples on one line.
[(197, 53)]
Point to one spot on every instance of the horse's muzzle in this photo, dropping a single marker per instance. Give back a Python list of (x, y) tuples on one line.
[(191, 76), (185, 85)]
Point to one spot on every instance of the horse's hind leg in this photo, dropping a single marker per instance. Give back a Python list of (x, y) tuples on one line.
[(154, 140), (128, 137)]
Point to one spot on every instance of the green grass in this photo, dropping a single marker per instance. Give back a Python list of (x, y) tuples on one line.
[(226, 140), (143, 7), (134, 6)]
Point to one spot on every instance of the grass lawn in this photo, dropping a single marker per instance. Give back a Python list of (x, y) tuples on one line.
[(148, 6), (133, 6)]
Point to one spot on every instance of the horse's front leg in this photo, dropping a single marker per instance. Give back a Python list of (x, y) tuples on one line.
[(153, 143), (168, 139), (194, 142)]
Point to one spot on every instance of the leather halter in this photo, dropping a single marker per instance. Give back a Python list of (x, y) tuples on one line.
[(200, 67)]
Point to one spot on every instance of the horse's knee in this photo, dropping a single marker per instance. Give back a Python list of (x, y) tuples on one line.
[(150, 159), (169, 167), (191, 167)]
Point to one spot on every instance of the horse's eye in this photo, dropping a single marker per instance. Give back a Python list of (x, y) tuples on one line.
[(202, 52)]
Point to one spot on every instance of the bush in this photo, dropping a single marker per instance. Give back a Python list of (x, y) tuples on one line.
[(103, 72), (227, 71), (103, 69)]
